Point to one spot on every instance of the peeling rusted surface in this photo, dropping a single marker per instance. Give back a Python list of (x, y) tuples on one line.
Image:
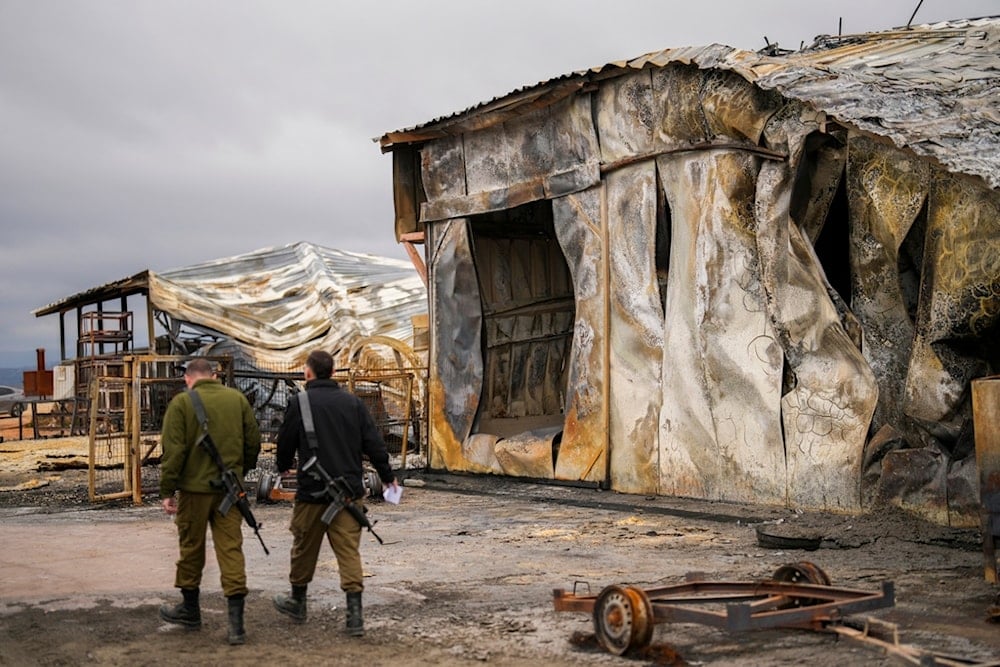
[(986, 408)]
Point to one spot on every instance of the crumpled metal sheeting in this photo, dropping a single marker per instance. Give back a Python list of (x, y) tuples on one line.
[(959, 301), (920, 337), (720, 418), (456, 377), (886, 191), (580, 229), (279, 303), (827, 408), (910, 89)]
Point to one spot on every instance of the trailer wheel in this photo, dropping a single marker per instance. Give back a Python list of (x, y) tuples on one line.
[(802, 572), (264, 486), (623, 619)]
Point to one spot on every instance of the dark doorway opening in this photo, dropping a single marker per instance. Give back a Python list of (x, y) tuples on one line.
[(528, 318)]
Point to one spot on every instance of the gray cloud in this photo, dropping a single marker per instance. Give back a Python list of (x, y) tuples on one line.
[(157, 134)]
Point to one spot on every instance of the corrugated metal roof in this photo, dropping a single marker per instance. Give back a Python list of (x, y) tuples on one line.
[(930, 88), (134, 284)]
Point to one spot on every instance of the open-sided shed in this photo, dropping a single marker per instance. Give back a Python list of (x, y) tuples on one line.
[(714, 273)]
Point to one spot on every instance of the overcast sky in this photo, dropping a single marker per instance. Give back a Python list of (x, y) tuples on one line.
[(157, 133)]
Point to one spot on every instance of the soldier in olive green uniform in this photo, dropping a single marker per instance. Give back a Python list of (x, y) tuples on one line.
[(190, 488)]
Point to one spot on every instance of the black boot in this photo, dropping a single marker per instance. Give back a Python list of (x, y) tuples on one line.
[(187, 613), (293, 605), (237, 635), (355, 618)]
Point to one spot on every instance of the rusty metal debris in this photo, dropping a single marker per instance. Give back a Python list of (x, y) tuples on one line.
[(273, 487), (798, 595), (986, 413)]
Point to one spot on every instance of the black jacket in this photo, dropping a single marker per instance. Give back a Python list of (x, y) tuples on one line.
[(344, 430)]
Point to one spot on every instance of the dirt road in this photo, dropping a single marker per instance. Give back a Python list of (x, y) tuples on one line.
[(466, 577)]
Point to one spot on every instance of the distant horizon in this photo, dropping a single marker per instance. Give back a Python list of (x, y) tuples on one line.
[(25, 360)]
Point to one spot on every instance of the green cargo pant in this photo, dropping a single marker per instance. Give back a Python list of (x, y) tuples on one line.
[(196, 512), (344, 535)]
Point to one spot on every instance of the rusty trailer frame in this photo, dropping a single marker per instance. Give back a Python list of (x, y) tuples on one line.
[(798, 595)]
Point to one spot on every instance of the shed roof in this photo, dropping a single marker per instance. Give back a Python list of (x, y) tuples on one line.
[(929, 88)]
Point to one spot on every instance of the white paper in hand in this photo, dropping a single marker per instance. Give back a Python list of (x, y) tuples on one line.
[(392, 494)]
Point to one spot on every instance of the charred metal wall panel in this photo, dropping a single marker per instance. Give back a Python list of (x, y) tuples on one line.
[(635, 318), (628, 97), (887, 191), (720, 420), (548, 153), (959, 297), (580, 227), (829, 393), (721, 416), (456, 362), (635, 329), (927, 292)]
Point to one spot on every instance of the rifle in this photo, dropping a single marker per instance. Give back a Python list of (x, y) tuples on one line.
[(235, 494), (339, 493)]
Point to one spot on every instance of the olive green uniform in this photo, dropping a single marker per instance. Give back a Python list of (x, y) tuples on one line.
[(189, 469)]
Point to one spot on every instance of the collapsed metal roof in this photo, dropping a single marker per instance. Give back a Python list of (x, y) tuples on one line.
[(928, 88), (278, 303)]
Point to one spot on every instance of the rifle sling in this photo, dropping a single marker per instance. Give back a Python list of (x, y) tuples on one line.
[(199, 412), (204, 440), (307, 420)]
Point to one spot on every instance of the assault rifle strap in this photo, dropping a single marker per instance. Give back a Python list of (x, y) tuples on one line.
[(307, 420), (199, 413)]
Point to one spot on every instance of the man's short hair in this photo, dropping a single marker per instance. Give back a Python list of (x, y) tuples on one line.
[(320, 363), (199, 367)]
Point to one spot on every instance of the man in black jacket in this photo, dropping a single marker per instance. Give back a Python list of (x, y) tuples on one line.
[(345, 431)]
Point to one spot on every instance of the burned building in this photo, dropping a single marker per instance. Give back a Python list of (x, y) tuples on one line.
[(706, 272)]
